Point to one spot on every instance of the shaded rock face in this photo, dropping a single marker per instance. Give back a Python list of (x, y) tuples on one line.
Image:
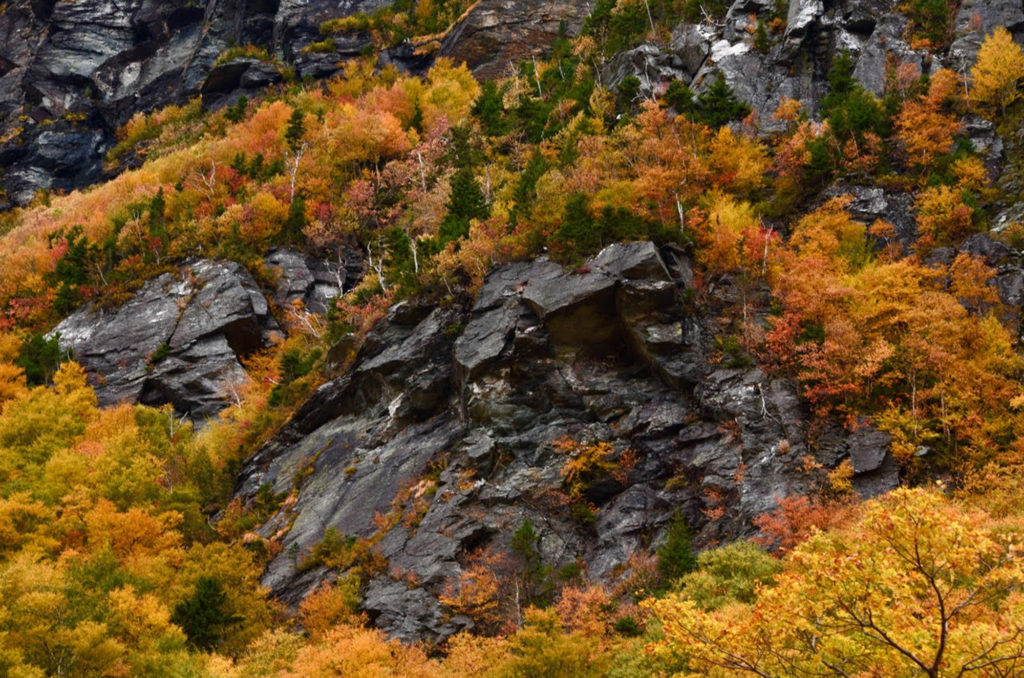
[(1008, 281), (500, 33), (72, 72), (178, 340), (312, 281), (456, 410)]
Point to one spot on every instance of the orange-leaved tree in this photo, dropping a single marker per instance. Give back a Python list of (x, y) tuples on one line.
[(918, 586), (998, 71)]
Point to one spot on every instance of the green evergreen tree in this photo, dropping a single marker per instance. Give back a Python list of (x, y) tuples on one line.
[(679, 97), (291, 230), (158, 219), (72, 270), (628, 91), (526, 189), (761, 43), (577, 234), (536, 575), (465, 203), (236, 112), (40, 358), (718, 105), (849, 108), (490, 110), (531, 116), (417, 118), (295, 130), (675, 555), (204, 616)]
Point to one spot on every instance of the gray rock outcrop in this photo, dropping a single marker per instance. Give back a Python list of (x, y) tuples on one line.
[(497, 34), (448, 421), (177, 341), (313, 281)]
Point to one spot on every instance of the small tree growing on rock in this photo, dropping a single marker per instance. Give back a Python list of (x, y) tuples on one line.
[(998, 71)]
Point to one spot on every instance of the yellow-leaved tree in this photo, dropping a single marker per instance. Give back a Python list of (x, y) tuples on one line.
[(918, 586), (998, 70)]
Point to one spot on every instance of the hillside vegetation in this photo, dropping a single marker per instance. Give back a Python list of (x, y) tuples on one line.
[(121, 556)]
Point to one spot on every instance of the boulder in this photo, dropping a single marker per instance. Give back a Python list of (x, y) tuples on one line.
[(178, 340), (578, 309), (871, 203), (227, 81), (692, 44)]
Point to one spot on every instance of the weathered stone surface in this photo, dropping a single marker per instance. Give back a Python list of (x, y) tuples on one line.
[(986, 142), (407, 611), (226, 82), (869, 448), (870, 203), (632, 260), (654, 68), (313, 281), (178, 340), (1008, 281), (498, 34), (485, 337), (977, 18), (462, 407), (886, 41), (692, 44)]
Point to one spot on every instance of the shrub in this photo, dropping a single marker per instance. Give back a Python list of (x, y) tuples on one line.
[(729, 574), (40, 358)]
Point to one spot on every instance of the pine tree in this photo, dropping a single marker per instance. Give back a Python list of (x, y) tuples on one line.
[(204, 617), (40, 358), (718, 105), (490, 111), (526, 189), (465, 203), (675, 555), (577, 233), (761, 37), (679, 97), (295, 130), (291, 230)]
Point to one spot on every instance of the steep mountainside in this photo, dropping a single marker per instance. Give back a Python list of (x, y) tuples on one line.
[(72, 72), (510, 338)]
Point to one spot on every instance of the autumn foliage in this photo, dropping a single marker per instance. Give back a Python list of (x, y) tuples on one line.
[(917, 586), (121, 555)]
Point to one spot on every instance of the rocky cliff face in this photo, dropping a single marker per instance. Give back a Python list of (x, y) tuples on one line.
[(448, 420), (72, 72), (456, 412), (181, 337), (794, 64), (498, 34)]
